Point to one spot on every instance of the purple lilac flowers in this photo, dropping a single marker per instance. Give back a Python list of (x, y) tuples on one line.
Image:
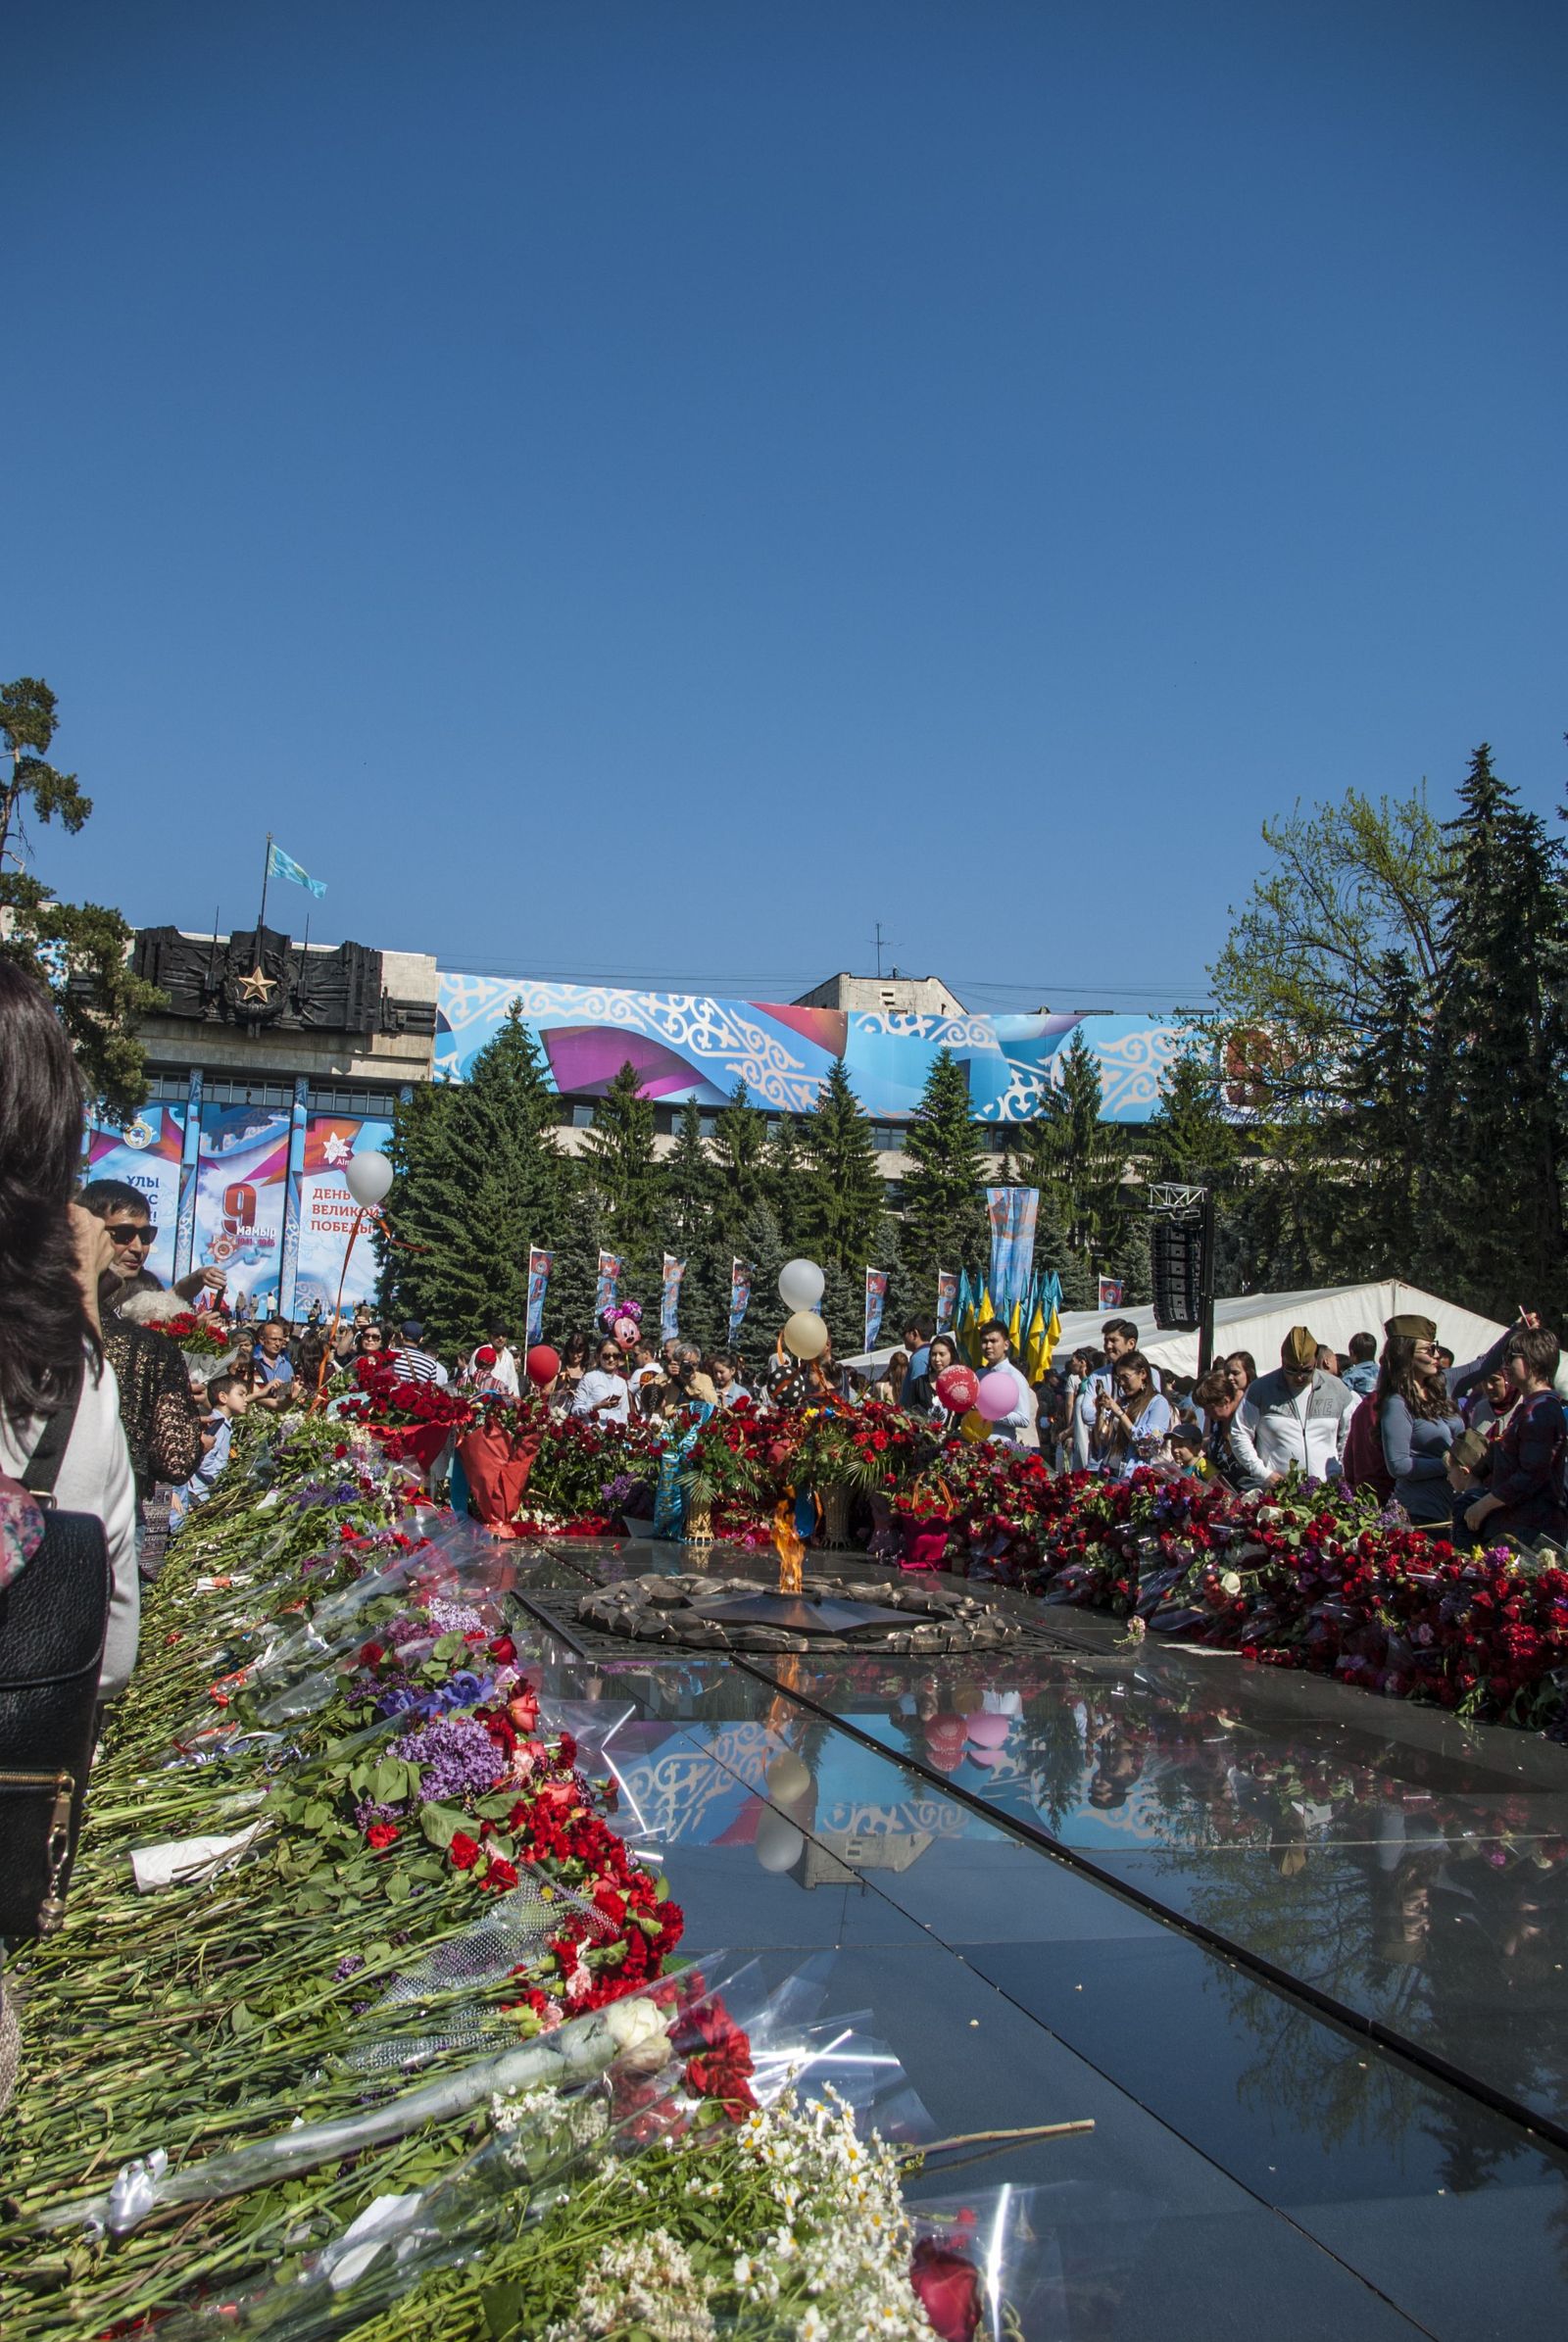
[(455, 1758)]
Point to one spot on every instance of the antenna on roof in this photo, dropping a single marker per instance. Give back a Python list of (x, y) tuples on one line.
[(879, 947)]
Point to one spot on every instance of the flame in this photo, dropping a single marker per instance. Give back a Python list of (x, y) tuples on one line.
[(791, 1552)]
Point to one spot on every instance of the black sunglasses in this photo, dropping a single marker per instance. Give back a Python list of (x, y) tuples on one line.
[(132, 1231)]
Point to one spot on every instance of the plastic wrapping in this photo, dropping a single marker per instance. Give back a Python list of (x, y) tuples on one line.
[(539, 2144)]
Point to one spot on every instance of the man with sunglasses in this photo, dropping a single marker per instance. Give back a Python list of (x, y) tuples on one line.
[(128, 1226), (161, 1419)]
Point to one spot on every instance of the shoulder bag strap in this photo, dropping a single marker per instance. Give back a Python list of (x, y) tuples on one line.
[(43, 1465)]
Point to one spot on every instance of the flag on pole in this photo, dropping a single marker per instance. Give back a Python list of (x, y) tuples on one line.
[(283, 865), (876, 1300), (604, 1289), (540, 1266), (1011, 1212), (967, 1319), (670, 1299), (947, 1300), (1035, 1344), (740, 1297)]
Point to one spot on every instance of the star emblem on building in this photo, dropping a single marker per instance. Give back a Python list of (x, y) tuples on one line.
[(257, 986)]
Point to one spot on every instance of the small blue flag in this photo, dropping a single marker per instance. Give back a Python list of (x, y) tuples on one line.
[(283, 865)]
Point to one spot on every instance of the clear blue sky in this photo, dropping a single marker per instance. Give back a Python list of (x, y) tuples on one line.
[(651, 490)]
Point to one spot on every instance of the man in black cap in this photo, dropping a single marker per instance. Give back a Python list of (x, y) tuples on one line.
[(410, 1362)]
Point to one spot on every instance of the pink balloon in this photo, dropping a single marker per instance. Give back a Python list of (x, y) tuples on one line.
[(999, 1395)]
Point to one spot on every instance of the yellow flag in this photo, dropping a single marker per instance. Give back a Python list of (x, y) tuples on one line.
[(1015, 1329), (1036, 1347)]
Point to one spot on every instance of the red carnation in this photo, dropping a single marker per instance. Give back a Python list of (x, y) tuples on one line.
[(463, 1851), (501, 1873), (381, 1834), (371, 1654)]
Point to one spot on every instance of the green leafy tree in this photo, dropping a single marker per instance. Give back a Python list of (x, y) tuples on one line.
[(844, 1200), (1299, 978), (1498, 1068), (1384, 1137), (79, 951), (943, 1190), (478, 1180), (619, 1164)]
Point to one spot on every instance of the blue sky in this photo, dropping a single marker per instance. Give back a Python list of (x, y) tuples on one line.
[(650, 491)]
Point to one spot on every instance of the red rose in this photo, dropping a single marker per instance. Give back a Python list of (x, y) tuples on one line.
[(381, 1834), (949, 2287), (523, 1709), (504, 1651), (463, 1851)]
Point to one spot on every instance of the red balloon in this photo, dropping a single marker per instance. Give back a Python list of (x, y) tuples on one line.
[(542, 1364), (957, 1388)]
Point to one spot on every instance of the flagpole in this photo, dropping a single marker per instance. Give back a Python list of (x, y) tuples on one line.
[(266, 873)]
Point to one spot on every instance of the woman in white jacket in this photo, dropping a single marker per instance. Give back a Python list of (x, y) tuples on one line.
[(51, 1257)]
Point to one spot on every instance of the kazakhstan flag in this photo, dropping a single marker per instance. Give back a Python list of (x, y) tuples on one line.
[(283, 865)]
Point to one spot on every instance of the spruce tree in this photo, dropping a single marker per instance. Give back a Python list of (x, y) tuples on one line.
[(688, 1199), (1384, 1139), (944, 1192), (843, 1198), (785, 1175), (740, 1165), (1071, 1150), (575, 1279), (479, 1179), (1492, 1206), (1188, 1139), (617, 1163)]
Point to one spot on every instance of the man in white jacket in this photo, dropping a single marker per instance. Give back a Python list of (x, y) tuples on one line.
[(996, 1357)]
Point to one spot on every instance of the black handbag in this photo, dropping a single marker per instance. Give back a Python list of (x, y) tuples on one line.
[(54, 1618)]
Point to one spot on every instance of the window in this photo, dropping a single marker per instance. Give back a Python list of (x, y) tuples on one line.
[(582, 1114)]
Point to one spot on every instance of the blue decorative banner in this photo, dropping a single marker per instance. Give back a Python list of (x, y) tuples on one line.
[(610, 1267), (947, 1298), (540, 1266), (1011, 1212), (739, 1299), (670, 1299)]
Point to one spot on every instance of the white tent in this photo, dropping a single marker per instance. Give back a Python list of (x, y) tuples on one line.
[(1260, 1322)]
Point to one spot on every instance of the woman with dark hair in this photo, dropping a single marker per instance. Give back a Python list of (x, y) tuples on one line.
[(1242, 1367), (52, 1255), (574, 1362), (1519, 1490), (1130, 1419), (1418, 1423)]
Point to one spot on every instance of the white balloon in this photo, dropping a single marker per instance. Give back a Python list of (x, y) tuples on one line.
[(799, 1285), (367, 1177), (779, 1844)]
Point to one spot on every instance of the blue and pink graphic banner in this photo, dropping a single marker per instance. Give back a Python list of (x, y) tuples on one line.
[(1011, 1212), (146, 1154), (692, 1045)]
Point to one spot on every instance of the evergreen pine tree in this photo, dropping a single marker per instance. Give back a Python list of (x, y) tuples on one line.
[(786, 1177), (1068, 1149), (843, 1198), (619, 1164), (1493, 1204), (479, 1179), (1188, 1139), (740, 1166), (945, 1223), (688, 1202), (761, 1247), (1385, 1135), (575, 1279)]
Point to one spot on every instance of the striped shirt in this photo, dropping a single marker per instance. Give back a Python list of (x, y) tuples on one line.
[(416, 1366)]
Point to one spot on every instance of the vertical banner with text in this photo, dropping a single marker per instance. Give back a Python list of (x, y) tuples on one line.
[(189, 1164), (670, 1299), (877, 1301), (540, 1264), (328, 1213), (740, 1299), (1011, 1212), (947, 1298), (609, 1266)]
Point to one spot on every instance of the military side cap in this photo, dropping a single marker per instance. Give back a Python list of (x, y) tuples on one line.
[(1412, 1329)]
